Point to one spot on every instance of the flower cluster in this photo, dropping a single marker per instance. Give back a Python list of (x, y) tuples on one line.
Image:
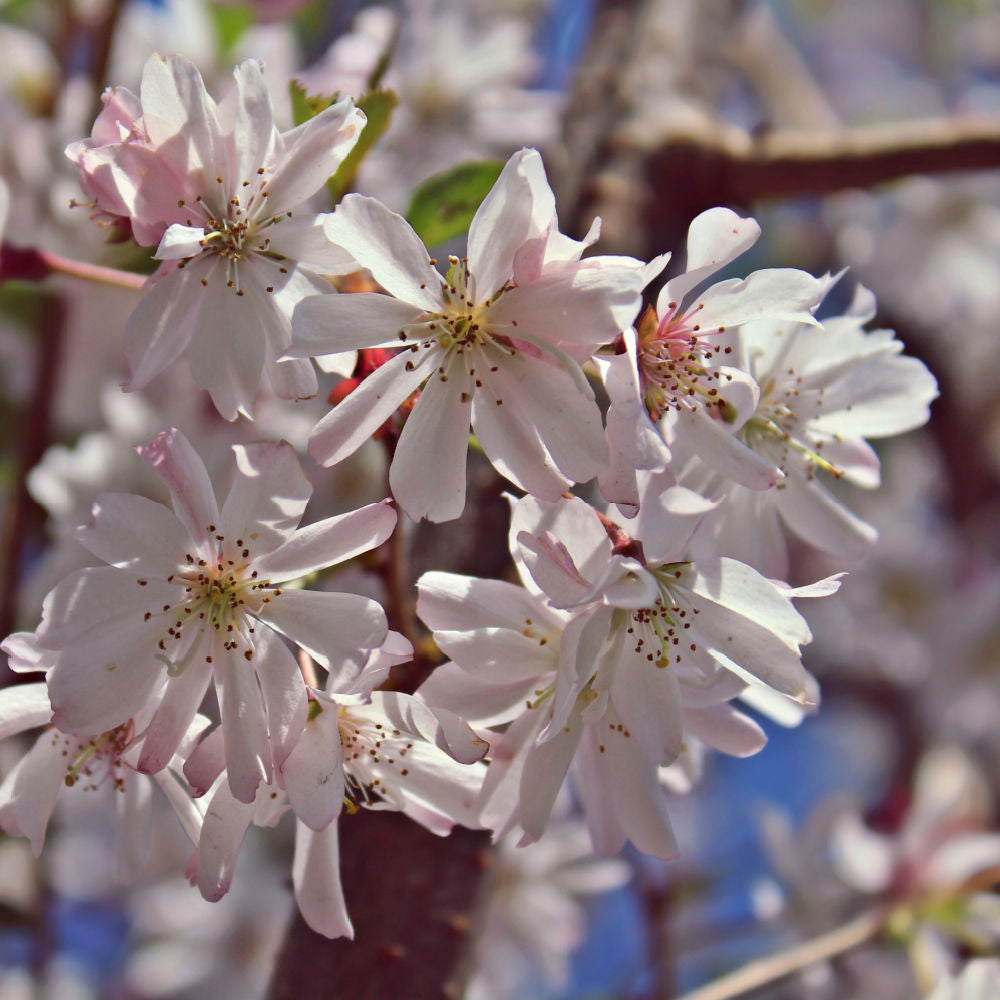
[(709, 427)]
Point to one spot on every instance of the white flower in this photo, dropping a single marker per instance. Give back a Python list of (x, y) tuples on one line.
[(217, 186), (496, 343), (359, 749), (196, 593)]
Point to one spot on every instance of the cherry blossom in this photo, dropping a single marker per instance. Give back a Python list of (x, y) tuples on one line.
[(359, 748), (677, 363), (101, 763), (197, 593), (497, 343), (217, 188)]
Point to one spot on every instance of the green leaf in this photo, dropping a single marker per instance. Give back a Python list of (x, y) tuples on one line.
[(443, 205), (378, 107), (230, 22), (306, 106)]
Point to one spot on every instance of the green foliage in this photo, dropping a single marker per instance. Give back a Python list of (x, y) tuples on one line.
[(442, 207), (230, 22)]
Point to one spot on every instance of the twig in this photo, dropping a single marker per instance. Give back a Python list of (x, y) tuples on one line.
[(766, 970)]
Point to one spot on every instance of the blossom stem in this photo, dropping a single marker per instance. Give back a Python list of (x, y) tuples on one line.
[(92, 272), (34, 264), (766, 970)]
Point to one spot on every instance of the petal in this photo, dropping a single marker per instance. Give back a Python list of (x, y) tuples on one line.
[(248, 757), (22, 707), (326, 324), (506, 219), (173, 717), (316, 877), (225, 826), (267, 499), (427, 475), (172, 458), (453, 602), (312, 152), (328, 542), (284, 692), (314, 772), (134, 533), (325, 623), (354, 419), (386, 244)]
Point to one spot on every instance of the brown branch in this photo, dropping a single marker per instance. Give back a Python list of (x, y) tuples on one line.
[(410, 895)]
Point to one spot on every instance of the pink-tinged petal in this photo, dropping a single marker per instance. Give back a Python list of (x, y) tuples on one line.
[(724, 728), (669, 517), (386, 244), (24, 654), (879, 399), (284, 692), (452, 602), (961, 858), (519, 206), (715, 238), (184, 806), (823, 521), (714, 443), (854, 458), (328, 324), (647, 698), (34, 787), (227, 356), (294, 379), (567, 421), (313, 773), (248, 756), (222, 833), (162, 326), (585, 303), (578, 548), (866, 860), (324, 623), (500, 655), (354, 419), (545, 770), (22, 707), (173, 717), (180, 242), (172, 458), (514, 447), (316, 877), (135, 826), (134, 533), (445, 730), (303, 239), (781, 293), (207, 762), (174, 100), (499, 799), (312, 152), (747, 630), (427, 475), (333, 540), (627, 789), (478, 702), (267, 498), (254, 133)]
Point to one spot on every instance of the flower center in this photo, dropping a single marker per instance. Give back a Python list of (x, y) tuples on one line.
[(221, 596), (779, 427), (675, 362), (658, 631), (98, 760), (374, 757)]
